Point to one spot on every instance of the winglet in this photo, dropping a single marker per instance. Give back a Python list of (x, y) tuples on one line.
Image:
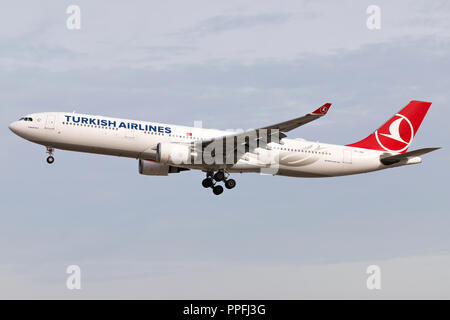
[(322, 110)]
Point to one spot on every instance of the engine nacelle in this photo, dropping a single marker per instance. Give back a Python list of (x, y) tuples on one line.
[(151, 168), (173, 153)]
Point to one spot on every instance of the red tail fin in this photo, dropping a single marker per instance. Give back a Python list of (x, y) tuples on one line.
[(397, 134)]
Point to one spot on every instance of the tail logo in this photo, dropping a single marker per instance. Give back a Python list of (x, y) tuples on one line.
[(324, 109), (396, 135)]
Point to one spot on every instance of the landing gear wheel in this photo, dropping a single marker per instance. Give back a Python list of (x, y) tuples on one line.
[(230, 184), (207, 183), (219, 176), (50, 160), (217, 190)]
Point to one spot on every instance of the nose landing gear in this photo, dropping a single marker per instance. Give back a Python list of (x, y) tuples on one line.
[(212, 179), (50, 158)]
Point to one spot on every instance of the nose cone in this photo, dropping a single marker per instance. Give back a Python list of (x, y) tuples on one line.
[(13, 127)]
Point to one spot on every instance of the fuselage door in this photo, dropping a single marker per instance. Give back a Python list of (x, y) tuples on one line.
[(50, 124), (347, 156)]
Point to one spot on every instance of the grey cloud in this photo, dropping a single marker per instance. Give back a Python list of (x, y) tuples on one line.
[(223, 23), (353, 80), (177, 50)]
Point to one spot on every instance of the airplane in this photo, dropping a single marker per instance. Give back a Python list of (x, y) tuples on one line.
[(163, 149)]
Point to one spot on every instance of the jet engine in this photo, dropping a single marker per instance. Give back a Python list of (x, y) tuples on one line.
[(151, 168), (173, 153)]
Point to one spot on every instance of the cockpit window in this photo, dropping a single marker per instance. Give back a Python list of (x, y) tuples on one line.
[(26, 119)]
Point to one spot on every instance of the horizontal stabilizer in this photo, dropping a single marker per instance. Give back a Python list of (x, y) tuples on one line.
[(387, 159)]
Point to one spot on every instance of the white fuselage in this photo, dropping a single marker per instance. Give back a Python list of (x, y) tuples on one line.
[(138, 139)]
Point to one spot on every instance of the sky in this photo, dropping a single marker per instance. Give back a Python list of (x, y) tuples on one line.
[(231, 65)]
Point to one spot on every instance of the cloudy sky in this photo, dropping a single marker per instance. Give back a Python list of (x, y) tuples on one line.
[(230, 64)]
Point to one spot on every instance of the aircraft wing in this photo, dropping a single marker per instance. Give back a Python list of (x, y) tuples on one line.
[(261, 136), (389, 159)]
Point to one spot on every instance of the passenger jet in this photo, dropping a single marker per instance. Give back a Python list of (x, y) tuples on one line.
[(162, 149)]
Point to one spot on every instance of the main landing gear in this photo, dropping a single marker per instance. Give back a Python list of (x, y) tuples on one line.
[(50, 158), (212, 180)]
